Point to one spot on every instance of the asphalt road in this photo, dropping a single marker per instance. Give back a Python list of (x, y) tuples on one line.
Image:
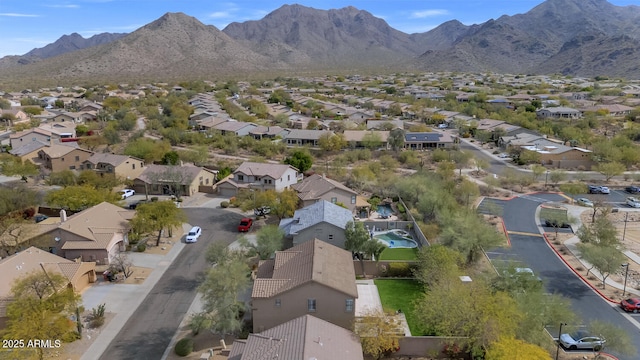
[(147, 334), (532, 251)]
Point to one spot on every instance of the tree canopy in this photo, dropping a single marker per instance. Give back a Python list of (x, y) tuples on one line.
[(157, 216)]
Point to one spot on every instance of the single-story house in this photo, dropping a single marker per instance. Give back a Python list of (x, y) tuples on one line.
[(79, 274), (305, 337), (184, 180)]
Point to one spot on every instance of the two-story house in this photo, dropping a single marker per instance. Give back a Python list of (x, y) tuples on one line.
[(118, 166), (259, 176), (322, 220), (58, 157), (311, 278), (318, 187)]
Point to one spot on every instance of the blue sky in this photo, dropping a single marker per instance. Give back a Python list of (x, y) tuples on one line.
[(28, 24)]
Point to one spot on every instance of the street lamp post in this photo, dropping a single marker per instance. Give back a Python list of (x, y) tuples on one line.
[(626, 273), (559, 334), (624, 230)]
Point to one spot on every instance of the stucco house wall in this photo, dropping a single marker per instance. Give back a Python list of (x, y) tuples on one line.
[(330, 306)]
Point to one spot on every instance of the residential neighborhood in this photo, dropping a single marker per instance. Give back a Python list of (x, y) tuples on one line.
[(324, 217)]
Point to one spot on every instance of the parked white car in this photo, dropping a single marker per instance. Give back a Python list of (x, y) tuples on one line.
[(633, 202), (126, 193), (193, 234)]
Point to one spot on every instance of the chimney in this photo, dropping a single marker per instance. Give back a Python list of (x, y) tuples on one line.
[(63, 215)]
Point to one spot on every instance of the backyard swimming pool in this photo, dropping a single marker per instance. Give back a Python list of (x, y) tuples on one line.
[(384, 210), (396, 238)]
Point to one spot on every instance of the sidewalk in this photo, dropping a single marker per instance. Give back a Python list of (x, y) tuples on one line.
[(124, 299), (574, 212)]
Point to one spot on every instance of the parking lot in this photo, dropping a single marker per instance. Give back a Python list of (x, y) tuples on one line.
[(616, 199)]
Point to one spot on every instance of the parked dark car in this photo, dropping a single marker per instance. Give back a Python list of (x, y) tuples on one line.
[(632, 189), (556, 223)]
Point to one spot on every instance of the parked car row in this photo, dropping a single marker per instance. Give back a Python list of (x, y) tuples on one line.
[(581, 340), (633, 202)]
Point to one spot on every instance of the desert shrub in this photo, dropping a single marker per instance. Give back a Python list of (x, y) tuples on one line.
[(184, 347), (401, 208), (224, 204), (141, 247), (96, 318), (400, 269)]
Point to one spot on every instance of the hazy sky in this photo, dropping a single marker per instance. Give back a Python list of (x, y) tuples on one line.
[(29, 24)]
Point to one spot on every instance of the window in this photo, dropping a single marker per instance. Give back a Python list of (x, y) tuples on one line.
[(334, 200), (77, 158), (311, 305), (349, 305), (240, 177), (353, 199), (330, 236), (278, 302), (288, 177), (61, 159)]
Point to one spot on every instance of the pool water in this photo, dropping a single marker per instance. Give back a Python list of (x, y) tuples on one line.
[(384, 210), (394, 240)]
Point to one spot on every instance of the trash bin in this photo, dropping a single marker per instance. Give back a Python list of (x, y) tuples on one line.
[(105, 275)]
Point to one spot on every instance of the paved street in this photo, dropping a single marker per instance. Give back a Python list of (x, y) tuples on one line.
[(532, 251), (148, 332)]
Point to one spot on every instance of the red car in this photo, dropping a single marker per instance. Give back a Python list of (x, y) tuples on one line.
[(245, 224), (631, 304)]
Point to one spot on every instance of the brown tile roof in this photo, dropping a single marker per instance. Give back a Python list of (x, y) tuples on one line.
[(275, 171), (111, 159), (98, 222), (152, 172), (312, 261), (306, 337), (57, 150), (27, 261), (316, 185)]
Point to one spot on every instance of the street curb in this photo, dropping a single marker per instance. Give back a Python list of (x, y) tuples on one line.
[(506, 234), (576, 272)]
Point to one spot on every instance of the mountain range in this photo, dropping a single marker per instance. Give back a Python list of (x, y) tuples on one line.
[(571, 37)]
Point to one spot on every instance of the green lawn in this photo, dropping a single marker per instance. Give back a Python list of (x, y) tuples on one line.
[(400, 294), (399, 254)]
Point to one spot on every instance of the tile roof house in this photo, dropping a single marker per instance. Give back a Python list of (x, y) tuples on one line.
[(322, 220), (119, 166), (268, 132), (561, 156), (12, 268), (95, 234), (310, 278), (57, 157), (29, 151), (237, 128), (20, 138), (185, 180), (358, 138), (427, 140), (304, 137), (260, 176), (318, 187), (305, 337), (559, 113)]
